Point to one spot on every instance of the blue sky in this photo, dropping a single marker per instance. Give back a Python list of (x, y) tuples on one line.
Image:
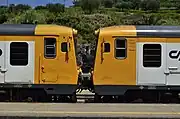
[(34, 3)]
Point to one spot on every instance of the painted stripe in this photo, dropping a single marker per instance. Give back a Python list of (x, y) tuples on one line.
[(163, 31), (17, 29), (158, 31), (74, 112)]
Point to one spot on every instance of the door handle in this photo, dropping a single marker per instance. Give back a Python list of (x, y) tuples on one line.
[(173, 68), (175, 72)]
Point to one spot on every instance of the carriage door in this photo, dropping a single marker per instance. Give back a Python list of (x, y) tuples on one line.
[(151, 63), (173, 64), (50, 62), (20, 62), (2, 61)]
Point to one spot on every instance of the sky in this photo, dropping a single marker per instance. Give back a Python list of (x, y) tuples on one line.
[(34, 3)]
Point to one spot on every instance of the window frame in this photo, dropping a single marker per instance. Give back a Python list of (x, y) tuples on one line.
[(45, 55), (115, 47), (160, 55), (22, 65)]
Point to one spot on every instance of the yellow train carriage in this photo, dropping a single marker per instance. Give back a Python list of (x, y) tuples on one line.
[(137, 58), (37, 57)]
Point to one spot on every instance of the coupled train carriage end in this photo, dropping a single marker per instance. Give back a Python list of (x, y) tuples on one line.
[(137, 62), (40, 63), (37, 62)]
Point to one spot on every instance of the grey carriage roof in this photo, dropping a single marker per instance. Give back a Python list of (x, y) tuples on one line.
[(17, 29), (158, 31)]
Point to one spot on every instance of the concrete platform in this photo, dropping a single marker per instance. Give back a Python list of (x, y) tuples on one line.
[(90, 110)]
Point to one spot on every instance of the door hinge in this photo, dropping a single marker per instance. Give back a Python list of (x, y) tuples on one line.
[(3, 70), (166, 72)]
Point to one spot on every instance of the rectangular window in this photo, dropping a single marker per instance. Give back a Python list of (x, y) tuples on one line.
[(50, 47), (120, 48), (19, 53), (106, 47), (152, 55), (64, 47)]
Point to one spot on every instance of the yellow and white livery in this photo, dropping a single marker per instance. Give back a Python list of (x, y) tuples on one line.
[(135, 58), (37, 58)]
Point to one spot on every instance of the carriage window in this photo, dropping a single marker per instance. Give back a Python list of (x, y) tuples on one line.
[(64, 47), (106, 47), (1, 52), (19, 53), (50, 47), (120, 48), (152, 55)]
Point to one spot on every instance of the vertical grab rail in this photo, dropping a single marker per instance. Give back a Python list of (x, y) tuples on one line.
[(40, 69), (67, 50), (102, 51)]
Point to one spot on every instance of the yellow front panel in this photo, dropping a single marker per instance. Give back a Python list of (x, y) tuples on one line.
[(57, 70), (49, 67), (112, 71), (69, 73)]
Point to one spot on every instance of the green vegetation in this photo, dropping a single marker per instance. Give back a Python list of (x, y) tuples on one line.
[(88, 15)]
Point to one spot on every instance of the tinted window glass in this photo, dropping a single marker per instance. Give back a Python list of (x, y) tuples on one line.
[(152, 55), (19, 53), (50, 47), (120, 48)]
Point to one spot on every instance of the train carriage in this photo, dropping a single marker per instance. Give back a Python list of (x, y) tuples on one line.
[(137, 62), (36, 61)]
